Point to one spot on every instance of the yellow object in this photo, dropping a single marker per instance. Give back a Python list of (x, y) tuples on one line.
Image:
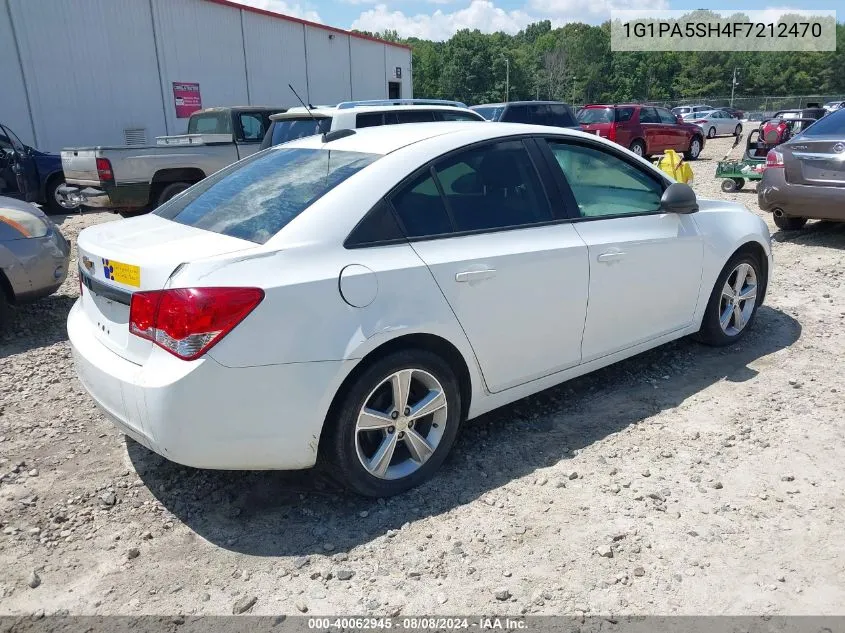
[(122, 273), (673, 164)]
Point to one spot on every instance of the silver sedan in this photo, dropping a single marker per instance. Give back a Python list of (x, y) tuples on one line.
[(715, 123), (34, 255)]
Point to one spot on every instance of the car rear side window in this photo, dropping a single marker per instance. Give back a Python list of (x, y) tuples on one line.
[(648, 115), (451, 115), (254, 199), (369, 119), (493, 187), (588, 116), (623, 114), (491, 113), (285, 130), (421, 209), (210, 123), (666, 116)]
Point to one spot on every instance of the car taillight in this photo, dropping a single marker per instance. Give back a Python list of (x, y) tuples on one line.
[(104, 169), (611, 132), (187, 322), (700, 121), (774, 159)]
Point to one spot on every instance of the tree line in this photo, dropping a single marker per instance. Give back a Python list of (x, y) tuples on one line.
[(574, 63)]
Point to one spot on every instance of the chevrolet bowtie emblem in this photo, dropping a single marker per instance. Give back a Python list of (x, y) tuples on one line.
[(89, 265)]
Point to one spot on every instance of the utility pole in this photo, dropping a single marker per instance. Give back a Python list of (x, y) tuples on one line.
[(733, 86), (507, 79), (574, 78)]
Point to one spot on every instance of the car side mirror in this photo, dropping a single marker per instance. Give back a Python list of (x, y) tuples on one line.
[(678, 198)]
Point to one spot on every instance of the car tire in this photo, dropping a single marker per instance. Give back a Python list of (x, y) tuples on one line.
[(638, 147), (711, 132), (738, 130), (346, 447), (171, 191), (727, 320), (694, 150), (51, 202), (789, 223)]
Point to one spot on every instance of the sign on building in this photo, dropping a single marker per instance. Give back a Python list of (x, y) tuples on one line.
[(187, 98)]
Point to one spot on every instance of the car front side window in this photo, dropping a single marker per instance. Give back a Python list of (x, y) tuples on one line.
[(604, 184)]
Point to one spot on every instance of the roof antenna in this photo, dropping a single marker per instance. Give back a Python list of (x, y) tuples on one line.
[(307, 109)]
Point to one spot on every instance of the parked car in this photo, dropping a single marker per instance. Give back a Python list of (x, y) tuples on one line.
[(805, 177), (350, 115), (138, 179), (682, 110), (34, 255), (734, 112), (553, 113), (29, 174), (799, 113), (832, 106), (715, 122), (452, 269), (645, 130)]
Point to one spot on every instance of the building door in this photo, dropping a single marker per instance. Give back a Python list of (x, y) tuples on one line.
[(394, 90)]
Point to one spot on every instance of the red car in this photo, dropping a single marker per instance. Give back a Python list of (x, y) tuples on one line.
[(645, 130)]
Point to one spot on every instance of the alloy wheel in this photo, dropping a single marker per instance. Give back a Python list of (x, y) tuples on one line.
[(401, 424), (739, 296)]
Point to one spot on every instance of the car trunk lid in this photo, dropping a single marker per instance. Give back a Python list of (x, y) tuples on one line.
[(117, 259), (815, 162)]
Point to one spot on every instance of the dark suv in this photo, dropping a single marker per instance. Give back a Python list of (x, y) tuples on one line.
[(645, 130), (552, 113)]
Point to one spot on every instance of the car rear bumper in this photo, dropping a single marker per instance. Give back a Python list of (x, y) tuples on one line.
[(774, 194), (205, 415), (73, 196)]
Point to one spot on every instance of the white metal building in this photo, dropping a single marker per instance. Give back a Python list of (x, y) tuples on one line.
[(101, 72)]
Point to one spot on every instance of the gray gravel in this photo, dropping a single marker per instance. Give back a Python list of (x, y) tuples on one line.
[(686, 480)]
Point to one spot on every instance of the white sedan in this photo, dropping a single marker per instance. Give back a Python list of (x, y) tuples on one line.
[(353, 298), (715, 122)]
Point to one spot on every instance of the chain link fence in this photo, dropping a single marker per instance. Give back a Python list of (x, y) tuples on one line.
[(756, 108)]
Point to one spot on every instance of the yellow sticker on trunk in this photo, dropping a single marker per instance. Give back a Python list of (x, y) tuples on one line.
[(122, 273)]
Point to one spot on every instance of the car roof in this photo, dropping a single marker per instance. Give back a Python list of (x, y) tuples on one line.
[(384, 139), (328, 111), (509, 103)]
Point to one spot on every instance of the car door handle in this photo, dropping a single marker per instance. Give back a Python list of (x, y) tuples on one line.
[(474, 275), (611, 256)]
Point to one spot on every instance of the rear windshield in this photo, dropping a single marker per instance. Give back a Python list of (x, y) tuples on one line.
[(491, 113), (595, 115), (210, 123), (831, 125), (285, 130), (255, 198)]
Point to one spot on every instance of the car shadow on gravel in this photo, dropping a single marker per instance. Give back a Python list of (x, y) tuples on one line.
[(821, 233), (37, 324), (301, 513)]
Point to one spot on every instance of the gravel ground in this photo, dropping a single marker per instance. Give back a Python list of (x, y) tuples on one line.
[(687, 480)]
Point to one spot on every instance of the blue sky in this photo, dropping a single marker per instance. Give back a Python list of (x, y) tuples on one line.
[(439, 19)]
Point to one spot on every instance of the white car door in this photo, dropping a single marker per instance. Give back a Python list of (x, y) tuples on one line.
[(516, 280), (645, 266)]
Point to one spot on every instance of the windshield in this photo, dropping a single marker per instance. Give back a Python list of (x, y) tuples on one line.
[(595, 115), (831, 125), (255, 198), (491, 113), (285, 130)]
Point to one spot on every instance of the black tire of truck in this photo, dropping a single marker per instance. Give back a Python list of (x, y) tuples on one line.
[(170, 191)]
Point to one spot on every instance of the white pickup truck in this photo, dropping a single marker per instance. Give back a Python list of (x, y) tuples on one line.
[(134, 180)]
